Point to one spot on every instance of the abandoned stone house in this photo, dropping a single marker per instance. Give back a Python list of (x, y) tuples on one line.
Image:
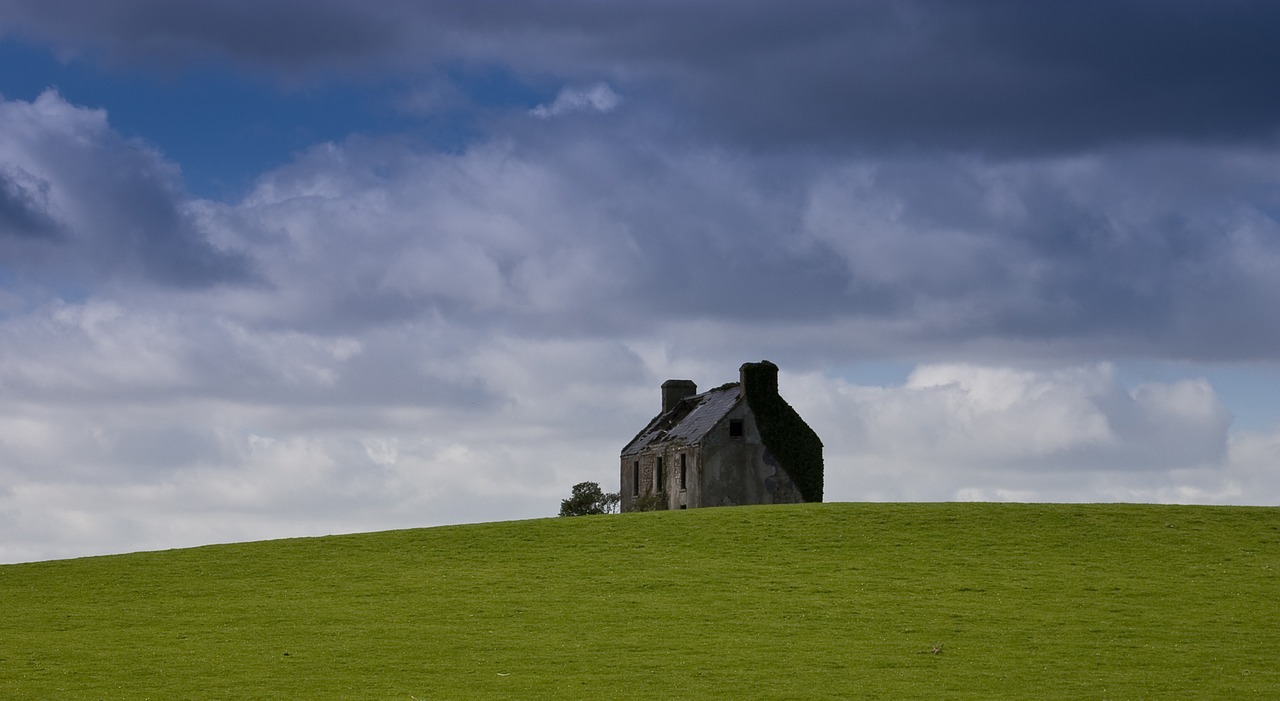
[(737, 444)]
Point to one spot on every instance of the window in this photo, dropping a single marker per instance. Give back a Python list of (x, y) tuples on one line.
[(735, 428), (635, 478), (657, 476), (684, 471)]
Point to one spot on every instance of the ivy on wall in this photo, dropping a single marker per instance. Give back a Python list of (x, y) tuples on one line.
[(786, 435), (655, 501)]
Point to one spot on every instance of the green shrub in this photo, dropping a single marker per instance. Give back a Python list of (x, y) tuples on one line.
[(588, 499)]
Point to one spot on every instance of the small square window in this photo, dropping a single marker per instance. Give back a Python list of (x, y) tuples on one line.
[(735, 428)]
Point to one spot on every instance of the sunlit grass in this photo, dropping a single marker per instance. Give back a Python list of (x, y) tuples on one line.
[(857, 601)]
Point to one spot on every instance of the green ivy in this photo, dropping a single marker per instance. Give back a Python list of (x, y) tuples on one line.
[(785, 434), (656, 501)]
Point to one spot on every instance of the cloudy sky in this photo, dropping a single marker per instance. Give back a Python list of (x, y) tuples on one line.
[(294, 267)]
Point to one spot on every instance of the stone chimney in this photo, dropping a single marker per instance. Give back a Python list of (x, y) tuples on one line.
[(675, 390), (763, 374)]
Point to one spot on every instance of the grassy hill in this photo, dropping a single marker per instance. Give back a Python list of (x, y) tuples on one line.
[(835, 601)]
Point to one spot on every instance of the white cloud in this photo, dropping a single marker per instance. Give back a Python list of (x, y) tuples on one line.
[(126, 428), (163, 469), (998, 433), (596, 98)]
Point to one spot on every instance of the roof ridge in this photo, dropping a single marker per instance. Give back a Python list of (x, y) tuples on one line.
[(689, 420)]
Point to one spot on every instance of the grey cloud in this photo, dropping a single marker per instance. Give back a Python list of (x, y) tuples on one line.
[(136, 449), (993, 76), (1132, 251), (540, 237), (1166, 252), (24, 205), (114, 208)]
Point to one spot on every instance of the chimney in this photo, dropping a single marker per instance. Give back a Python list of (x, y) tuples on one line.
[(675, 390), (763, 375)]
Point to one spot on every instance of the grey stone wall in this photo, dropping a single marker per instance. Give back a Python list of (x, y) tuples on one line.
[(722, 470), (677, 497), (741, 471)]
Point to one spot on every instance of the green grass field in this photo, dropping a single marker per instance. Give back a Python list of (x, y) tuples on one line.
[(836, 601)]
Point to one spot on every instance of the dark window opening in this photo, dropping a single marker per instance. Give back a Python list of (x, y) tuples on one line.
[(657, 475), (635, 478), (684, 471), (735, 428)]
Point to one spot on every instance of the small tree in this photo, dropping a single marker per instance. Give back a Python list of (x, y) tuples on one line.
[(589, 499)]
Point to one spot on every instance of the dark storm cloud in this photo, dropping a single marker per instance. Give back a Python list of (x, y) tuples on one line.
[(998, 76), (995, 76), (284, 34), (1004, 76)]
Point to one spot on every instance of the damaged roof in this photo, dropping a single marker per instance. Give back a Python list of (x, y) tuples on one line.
[(688, 421)]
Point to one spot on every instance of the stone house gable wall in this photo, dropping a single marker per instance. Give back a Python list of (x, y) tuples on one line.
[(738, 471)]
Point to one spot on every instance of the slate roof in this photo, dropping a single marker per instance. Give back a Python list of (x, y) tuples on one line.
[(688, 421)]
